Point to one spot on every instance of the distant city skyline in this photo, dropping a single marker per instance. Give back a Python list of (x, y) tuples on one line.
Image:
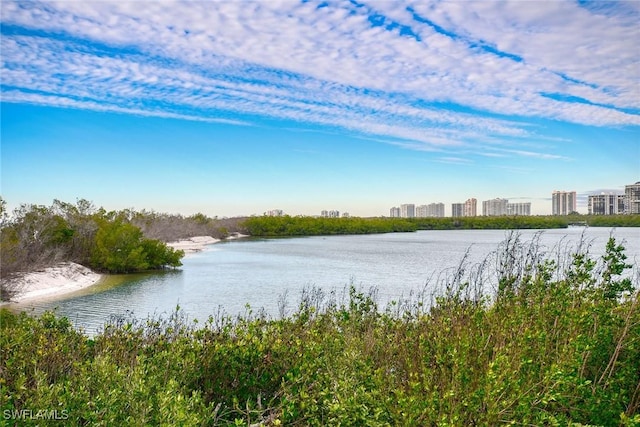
[(561, 203), (237, 108)]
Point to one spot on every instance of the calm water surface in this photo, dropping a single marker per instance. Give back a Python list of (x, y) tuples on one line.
[(228, 276)]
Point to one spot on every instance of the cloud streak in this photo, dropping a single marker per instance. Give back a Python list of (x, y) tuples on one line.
[(427, 75)]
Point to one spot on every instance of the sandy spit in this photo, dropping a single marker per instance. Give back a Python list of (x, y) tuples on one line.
[(70, 277), (54, 281), (199, 243)]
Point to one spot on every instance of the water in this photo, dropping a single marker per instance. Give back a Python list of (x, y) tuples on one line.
[(227, 277)]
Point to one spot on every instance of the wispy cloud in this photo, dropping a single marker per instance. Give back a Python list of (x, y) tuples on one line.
[(454, 160), (533, 154), (604, 191), (425, 75)]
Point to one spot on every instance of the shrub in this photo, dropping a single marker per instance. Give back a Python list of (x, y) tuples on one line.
[(557, 344)]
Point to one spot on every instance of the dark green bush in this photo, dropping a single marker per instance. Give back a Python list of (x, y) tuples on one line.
[(120, 247)]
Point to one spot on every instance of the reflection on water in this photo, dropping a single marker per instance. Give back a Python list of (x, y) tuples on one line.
[(231, 275)]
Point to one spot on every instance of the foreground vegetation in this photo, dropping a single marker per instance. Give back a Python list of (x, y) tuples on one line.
[(524, 338)]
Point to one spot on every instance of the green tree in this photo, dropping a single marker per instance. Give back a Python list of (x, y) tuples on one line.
[(118, 248), (159, 255), (614, 266)]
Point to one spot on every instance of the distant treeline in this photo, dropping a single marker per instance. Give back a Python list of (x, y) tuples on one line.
[(606, 220), (313, 226)]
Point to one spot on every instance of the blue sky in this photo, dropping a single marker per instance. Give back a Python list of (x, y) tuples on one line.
[(237, 107)]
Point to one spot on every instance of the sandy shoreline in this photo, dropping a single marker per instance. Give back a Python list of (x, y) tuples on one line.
[(69, 277), (199, 243), (53, 281), (193, 244)]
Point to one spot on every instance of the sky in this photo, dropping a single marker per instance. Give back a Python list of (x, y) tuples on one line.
[(234, 108)]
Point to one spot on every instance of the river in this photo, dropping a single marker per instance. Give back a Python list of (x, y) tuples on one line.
[(271, 274)]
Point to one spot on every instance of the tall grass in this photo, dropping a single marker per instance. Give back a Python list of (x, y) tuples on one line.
[(524, 338)]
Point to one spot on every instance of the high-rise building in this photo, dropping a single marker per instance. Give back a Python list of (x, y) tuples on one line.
[(457, 209), (330, 214), (632, 198), (563, 202), (606, 204), (494, 207), (274, 212), (394, 212), (519, 208), (408, 210), (470, 207), (435, 210)]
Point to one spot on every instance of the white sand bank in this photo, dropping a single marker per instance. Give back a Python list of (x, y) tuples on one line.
[(193, 244), (70, 277), (237, 236), (199, 243), (54, 281)]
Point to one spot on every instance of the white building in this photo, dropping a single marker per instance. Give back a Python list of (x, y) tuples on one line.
[(494, 207), (471, 207), (394, 212), (563, 202), (632, 198), (606, 204), (468, 208), (330, 214), (457, 210), (519, 209), (435, 210), (408, 210)]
